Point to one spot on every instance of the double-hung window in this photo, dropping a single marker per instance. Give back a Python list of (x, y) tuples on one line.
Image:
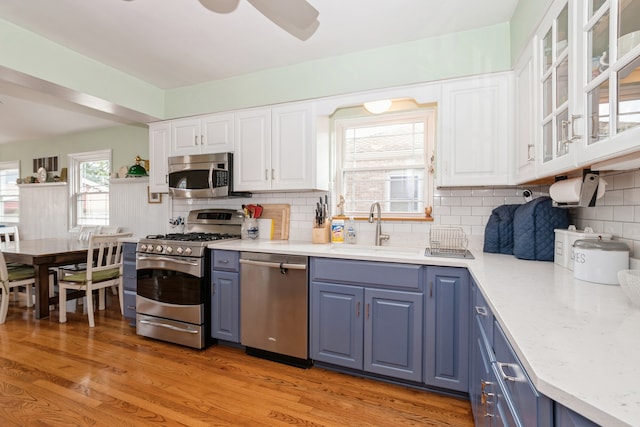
[(89, 186), (9, 197), (385, 159)]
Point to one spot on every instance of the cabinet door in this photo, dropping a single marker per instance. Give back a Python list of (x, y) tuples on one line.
[(447, 328), (292, 147), (337, 324), (393, 333), (159, 145), (253, 169), (217, 133), (476, 131), (565, 417), (556, 51), (129, 272), (225, 306), (524, 118), (186, 137)]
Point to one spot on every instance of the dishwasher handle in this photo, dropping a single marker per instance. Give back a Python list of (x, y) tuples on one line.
[(280, 265)]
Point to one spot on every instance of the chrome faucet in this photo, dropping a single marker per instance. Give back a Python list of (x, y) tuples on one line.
[(379, 236)]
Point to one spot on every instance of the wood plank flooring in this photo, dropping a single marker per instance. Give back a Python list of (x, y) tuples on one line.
[(55, 374)]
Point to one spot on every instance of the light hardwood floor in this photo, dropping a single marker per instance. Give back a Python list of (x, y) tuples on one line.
[(55, 374)]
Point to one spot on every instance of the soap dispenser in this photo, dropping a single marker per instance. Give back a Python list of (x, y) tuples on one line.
[(351, 231)]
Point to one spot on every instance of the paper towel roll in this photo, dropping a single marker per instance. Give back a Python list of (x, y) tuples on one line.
[(566, 191)]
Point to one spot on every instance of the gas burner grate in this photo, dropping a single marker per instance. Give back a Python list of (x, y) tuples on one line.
[(193, 237)]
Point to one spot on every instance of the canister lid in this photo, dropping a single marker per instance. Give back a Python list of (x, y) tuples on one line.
[(599, 244)]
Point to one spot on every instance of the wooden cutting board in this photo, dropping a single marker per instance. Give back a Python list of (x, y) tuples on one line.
[(280, 214)]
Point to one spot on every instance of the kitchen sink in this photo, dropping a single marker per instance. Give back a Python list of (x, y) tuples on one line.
[(460, 254)]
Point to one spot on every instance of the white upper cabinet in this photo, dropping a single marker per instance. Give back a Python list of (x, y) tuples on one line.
[(611, 82), (525, 129), (202, 135), (587, 73), (559, 111), (474, 147), (252, 160), (159, 145), (280, 148)]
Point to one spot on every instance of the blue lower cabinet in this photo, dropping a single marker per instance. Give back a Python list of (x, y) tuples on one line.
[(337, 324), (393, 333), (565, 417), (446, 341), (225, 305), (374, 330), (225, 295), (367, 328), (129, 280)]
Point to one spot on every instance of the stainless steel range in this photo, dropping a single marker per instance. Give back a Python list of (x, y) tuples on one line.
[(173, 300)]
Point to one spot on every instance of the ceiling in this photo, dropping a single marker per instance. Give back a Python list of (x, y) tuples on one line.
[(175, 43)]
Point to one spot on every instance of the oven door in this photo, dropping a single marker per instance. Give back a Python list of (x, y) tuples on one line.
[(172, 302)]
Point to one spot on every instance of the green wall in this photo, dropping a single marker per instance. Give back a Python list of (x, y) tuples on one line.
[(466, 53), (126, 142), (524, 21)]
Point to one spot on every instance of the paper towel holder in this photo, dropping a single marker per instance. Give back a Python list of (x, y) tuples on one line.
[(588, 190)]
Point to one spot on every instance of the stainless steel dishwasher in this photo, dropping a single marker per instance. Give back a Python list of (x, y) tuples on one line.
[(274, 314)]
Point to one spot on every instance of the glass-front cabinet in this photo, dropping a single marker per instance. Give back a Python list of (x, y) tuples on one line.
[(611, 82), (587, 84), (558, 49)]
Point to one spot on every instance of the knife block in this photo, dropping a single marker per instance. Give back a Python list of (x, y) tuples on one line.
[(321, 234)]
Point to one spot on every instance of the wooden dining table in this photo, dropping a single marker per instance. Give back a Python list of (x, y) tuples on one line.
[(43, 254)]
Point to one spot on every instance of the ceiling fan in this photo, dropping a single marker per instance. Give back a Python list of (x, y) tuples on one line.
[(297, 17)]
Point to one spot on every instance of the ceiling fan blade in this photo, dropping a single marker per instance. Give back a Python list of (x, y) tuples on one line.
[(220, 6), (288, 13)]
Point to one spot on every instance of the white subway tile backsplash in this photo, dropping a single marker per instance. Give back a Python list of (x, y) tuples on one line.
[(620, 181), (632, 196), (623, 213), (460, 210), (611, 198), (604, 213)]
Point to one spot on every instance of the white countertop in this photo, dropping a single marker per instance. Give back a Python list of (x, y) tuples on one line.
[(578, 341)]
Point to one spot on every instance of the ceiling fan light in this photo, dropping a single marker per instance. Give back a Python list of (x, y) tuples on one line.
[(377, 107)]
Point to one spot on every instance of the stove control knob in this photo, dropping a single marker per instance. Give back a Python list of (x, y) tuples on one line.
[(169, 249), (143, 247), (150, 248), (159, 248), (187, 251), (179, 250)]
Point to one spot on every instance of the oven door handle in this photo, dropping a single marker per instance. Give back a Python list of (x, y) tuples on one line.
[(164, 325), (274, 264), (167, 259), (211, 187)]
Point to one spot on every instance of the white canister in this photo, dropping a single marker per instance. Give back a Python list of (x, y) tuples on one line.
[(598, 261)]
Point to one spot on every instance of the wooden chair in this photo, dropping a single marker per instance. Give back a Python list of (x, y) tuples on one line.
[(11, 234), (12, 278), (104, 269)]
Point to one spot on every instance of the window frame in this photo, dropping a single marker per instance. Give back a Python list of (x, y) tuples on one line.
[(425, 114), (4, 166), (75, 159)]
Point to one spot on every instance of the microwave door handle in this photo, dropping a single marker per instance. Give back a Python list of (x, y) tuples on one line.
[(211, 187)]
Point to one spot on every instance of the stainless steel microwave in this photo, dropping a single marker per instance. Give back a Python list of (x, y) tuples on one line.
[(202, 176)]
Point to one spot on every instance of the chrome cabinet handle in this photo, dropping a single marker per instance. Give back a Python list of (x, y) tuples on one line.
[(266, 174), (573, 128), (368, 309), (273, 174), (518, 373), (482, 311), (530, 157), (486, 398), (358, 309)]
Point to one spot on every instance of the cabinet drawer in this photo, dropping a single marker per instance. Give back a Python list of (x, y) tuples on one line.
[(484, 314), (226, 260), (388, 275), (531, 408)]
